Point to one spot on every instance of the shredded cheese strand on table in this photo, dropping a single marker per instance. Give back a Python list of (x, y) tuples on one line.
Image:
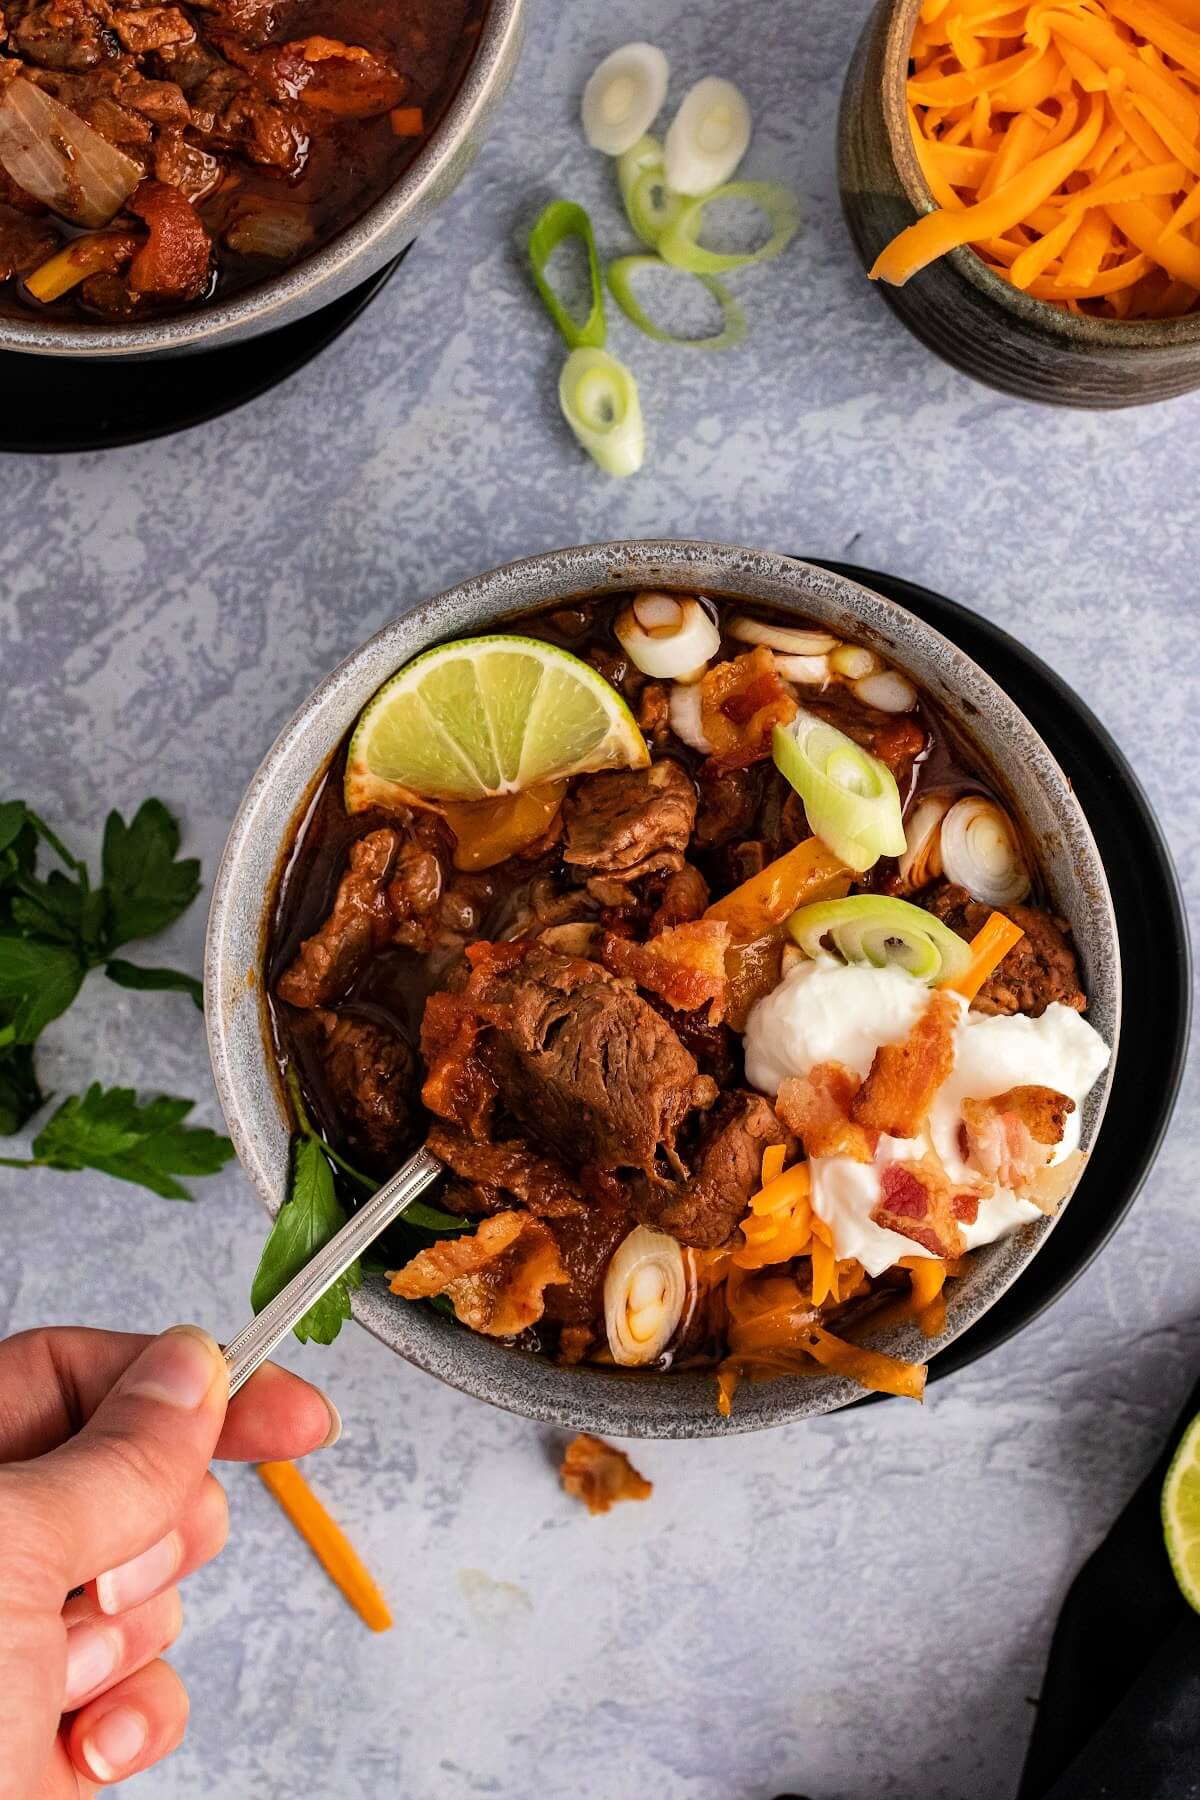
[(327, 1541), (1060, 140)]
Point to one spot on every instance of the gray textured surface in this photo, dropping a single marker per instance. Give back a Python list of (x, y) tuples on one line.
[(849, 1609)]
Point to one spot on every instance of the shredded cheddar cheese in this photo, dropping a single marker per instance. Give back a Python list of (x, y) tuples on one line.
[(1060, 140)]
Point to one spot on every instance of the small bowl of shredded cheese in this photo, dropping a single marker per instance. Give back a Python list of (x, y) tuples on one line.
[(1024, 188)]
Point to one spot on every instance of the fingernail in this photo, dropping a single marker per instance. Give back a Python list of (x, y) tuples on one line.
[(141, 1577), (178, 1368), (115, 1741), (335, 1425), (91, 1658)]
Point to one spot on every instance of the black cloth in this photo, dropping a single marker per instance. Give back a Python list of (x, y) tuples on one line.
[(1119, 1714)]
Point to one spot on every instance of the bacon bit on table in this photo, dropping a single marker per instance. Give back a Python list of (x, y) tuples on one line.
[(599, 1474)]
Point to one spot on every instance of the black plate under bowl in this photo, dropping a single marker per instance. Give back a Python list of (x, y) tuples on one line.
[(128, 400), (1155, 960)]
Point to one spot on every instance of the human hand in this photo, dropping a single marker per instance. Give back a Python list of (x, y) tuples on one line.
[(105, 1441)]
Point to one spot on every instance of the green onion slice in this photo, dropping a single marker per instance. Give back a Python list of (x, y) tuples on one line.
[(599, 399), (679, 243), (882, 932), (850, 797), (563, 219), (647, 153), (650, 206), (620, 280)]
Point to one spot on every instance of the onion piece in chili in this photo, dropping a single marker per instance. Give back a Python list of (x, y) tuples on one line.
[(980, 852), (668, 636), (50, 152)]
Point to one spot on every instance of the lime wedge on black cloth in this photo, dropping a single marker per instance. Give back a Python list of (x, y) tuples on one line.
[(1119, 1714)]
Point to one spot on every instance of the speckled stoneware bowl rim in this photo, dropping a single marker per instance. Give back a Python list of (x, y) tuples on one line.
[(1078, 328), (639, 1404), (356, 252)]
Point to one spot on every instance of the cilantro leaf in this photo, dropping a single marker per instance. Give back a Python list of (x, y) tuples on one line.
[(132, 975), (146, 887), (20, 1095), (106, 1129), (38, 981), (310, 1216)]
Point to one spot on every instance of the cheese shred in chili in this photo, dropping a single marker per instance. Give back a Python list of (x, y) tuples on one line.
[(1060, 140)]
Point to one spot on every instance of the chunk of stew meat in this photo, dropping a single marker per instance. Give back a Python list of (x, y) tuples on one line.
[(589, 1070), (630, 822), (1039, 969)]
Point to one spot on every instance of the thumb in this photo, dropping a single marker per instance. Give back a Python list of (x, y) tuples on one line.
[(123, 1481)]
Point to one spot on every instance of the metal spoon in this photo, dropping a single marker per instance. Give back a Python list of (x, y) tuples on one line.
[(255, 1342)]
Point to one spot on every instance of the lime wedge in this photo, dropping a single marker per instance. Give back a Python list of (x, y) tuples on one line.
[(488, 716), (1181, 1513)]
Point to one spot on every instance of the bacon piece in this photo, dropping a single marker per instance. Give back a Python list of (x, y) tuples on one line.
[(1012, 1137), (919, 1201), (495, 1280), (458, 1087), (599, 1474), (174, 262), (684, 965), (899, 1090), (741, 702), (819, 1110)]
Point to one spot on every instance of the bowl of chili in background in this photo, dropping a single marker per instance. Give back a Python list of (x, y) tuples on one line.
[(960, 308), (310, 197), (263, 836)]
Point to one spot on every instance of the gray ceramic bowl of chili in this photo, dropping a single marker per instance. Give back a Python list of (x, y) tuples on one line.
[(957, 306), (356, 252), (638, 1404)]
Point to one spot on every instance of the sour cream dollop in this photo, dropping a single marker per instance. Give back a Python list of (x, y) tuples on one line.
[(826, 1011), (829, 1011)]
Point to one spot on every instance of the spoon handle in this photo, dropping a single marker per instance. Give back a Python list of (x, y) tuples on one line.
[(255, 1342)]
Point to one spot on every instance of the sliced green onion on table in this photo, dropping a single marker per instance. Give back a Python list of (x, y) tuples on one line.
[(650, 206), (708, 136), (624, 97), (621, 276), (878, 931), (562, 220), (850, 797), (600, 402), (680, 245)]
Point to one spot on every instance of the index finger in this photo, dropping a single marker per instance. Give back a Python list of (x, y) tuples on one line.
[(53, 1379)]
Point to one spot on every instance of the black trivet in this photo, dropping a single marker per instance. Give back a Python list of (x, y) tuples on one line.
[(51, 405)]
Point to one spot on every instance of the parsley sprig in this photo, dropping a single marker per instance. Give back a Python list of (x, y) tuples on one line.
[(54, 929), (311, 1215), (150, 1145)]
